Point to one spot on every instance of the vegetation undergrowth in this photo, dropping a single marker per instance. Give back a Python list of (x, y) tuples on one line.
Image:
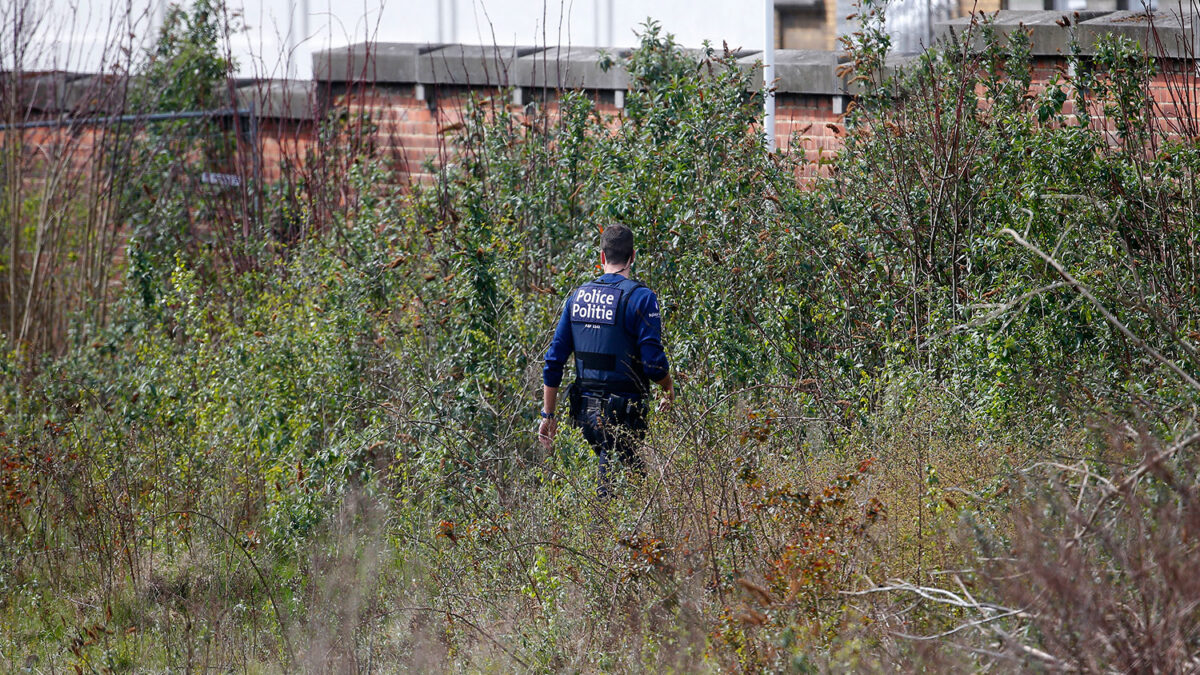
[(963, 358)]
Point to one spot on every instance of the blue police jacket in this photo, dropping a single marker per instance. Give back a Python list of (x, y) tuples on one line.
[(614, 328)]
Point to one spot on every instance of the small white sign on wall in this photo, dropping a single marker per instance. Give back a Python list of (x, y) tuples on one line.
[(221, 179)]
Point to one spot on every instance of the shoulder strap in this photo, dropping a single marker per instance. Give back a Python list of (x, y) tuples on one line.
[(627, 286), (630, 284)]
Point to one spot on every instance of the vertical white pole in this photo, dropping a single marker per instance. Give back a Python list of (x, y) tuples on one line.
[(290, 62), (304, 17), (769, 72), (610, 42)]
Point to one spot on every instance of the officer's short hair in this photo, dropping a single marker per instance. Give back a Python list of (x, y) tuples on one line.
[(617, 243)]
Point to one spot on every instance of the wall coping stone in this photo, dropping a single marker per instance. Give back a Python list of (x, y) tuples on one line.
[(43, 91), (279, 99), (800, 71), (1177, 35), (1047, 37), (571, 68), (472, 65), (797, 71), (574, 67), (386, 62), (95, 94)]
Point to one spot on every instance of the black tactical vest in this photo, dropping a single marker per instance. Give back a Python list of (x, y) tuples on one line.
[(607, 357)]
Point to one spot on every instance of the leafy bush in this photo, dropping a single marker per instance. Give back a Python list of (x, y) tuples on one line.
[(931, 180)]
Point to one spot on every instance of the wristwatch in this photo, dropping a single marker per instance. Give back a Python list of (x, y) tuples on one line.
[(545, 415)]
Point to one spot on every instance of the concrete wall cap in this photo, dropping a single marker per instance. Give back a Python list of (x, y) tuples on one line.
[(1168, 34), (472, 65), (579, 67), (386, 62), (802, 71), (279, 99), (898, 63), (102, 94), (1047, 37), (482, 65), (571, 68), (745, 60), (42, 92)]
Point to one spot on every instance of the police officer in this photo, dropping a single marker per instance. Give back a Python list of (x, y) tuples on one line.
[(613, 327)]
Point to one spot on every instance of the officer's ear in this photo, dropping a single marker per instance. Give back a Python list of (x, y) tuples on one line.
[(603, 261)]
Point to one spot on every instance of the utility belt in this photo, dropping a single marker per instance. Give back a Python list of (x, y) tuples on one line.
[(618, 408)]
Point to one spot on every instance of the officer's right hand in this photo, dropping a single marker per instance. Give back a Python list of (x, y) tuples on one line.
[(668, 394), (546, 432)]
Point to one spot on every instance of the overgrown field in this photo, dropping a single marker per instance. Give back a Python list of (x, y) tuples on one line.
[(937, 410)]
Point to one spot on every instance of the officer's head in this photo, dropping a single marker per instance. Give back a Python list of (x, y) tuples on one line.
[(616, 244)]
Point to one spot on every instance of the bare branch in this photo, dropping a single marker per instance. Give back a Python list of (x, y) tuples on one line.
[(1086, 293)]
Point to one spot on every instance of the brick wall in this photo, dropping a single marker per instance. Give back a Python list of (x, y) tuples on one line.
[(411, 131), (809, 123), (283, 144), (412, 134), (415, 94)]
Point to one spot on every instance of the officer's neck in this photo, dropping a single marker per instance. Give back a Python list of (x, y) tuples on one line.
[(622, 269)]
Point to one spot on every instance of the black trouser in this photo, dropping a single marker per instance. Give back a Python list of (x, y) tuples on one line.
[(612, 425)]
